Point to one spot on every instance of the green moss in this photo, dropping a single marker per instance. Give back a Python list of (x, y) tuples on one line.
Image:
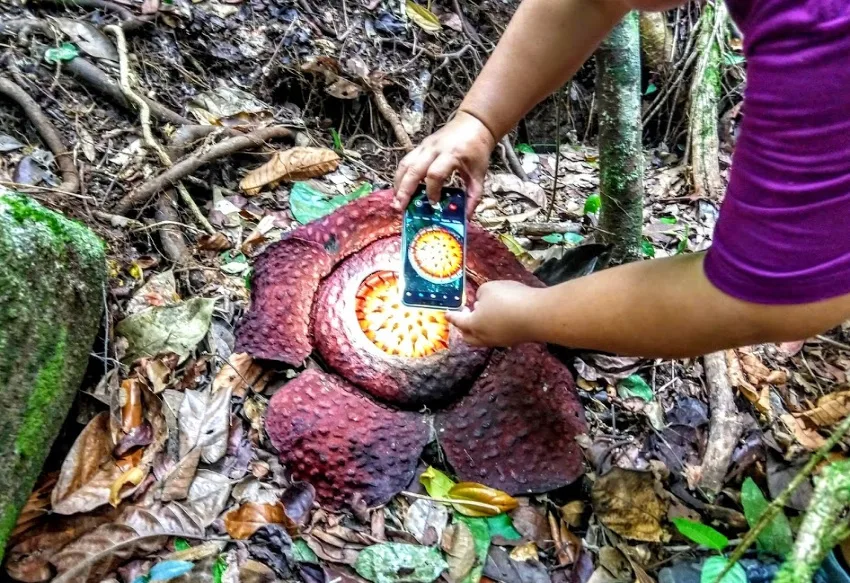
[(34, 432), (8, 520)]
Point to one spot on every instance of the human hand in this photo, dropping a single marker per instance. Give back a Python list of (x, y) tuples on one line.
[(463, 145), (500, 316)]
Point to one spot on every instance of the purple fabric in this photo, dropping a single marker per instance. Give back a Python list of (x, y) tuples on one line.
[(783, 236)]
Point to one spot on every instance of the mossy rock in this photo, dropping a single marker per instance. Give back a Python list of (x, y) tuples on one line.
[(52, 277)]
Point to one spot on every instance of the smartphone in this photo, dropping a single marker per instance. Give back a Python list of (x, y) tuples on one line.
[(433, 251)]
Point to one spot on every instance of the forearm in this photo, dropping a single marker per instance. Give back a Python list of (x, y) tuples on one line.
[(666, 308), (544, 45)]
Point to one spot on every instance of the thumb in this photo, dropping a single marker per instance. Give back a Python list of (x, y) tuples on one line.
[(461, 320)]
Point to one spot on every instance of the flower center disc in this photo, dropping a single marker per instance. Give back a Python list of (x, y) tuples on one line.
[(395, 328), (437, 255)]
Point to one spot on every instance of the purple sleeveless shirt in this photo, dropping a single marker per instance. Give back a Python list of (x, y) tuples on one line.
[(783, 236)]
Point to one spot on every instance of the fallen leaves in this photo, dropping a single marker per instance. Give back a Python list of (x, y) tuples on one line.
[(300, 163), (426, 521), (459, 547), (473, 499), (626, 501), (245, 520), (239, 374), (400, 563), (829, 410), (512, 184), (204, 422), (424, 18)]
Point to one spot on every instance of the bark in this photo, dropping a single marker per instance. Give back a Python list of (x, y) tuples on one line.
[(702, 110), (656, 41), (52, 273), (620, 154), (817, 534)]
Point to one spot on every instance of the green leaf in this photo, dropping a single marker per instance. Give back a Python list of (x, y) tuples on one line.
[(302, 552), (682, 246), (502, 525), (524, 149), (702, 534), (337, 140), (436, 483), (650, 89), (592, 204), (573, 238), (646, 248), (400, 563), (308, 204), (218, 568), (713, 566), (554, 238), (777, 538), (512, 244), (732, 59), (64, 52), (668, 220), (181, 544), (634, 386), (481, 535)]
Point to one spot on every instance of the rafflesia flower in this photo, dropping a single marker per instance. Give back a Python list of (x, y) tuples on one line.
[(394, 376)]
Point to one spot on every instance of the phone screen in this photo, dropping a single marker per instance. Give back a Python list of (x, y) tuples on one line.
[(434, 250)]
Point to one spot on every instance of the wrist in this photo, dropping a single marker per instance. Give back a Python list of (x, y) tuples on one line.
[(528, 324), (486, 130)]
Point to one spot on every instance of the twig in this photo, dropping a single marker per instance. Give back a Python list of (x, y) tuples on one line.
[(192, 163), (129, 21), (543, 229), (725, 428), (467, 28), (391, 116), (512, 159), (48, 133), (551, 204), (835, 343), (775, 507), (117, 220), (145, 119)]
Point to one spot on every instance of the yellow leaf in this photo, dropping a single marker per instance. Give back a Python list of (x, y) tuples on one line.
[(244, 521), (486, 501), (136, 271), (436, 483), (424, 18), (526, 552), (300, 163), (627, 502), (132, 476)]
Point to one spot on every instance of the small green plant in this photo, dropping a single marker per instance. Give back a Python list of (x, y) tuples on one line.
[(706, 536), (592, 204)]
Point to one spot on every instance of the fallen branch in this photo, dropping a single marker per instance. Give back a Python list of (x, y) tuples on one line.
[(725, 428), (391, 116), (511, 159), (48, 133), (145, 118), (775, 507), (192, 163), (543, 229), (173, 243)]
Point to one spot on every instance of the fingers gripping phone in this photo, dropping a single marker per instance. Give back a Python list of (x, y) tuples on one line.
[(433, 251)]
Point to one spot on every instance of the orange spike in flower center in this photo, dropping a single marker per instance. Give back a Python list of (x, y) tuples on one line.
[(437, 254), (393, 327)]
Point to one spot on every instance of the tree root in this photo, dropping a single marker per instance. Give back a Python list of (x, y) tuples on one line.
[(173, 243), (510, 158), (725, 428), (192, 163), (775, 507), (129, 21), (391, 116), (48, 133)]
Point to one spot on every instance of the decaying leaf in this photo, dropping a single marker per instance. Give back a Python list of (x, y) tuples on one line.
[(88, 471), (830, 409), (244, 521), (175, 485), (300, 163), (426, 520), (208, 496), (37, 506), (486, 501), (531, 523), (626, 501), (400, 563), (137, 531), (459, 547), (511, 183), (176, 328), (525, 552), (230, 107), (805, 431), (298, 501), (88, 38), (241, 373), (204, 423), (423, 17), (133, 476), (500, 566), (571, 513)]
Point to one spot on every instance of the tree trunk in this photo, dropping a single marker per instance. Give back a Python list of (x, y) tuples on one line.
[(620, 154), (656, 41), (702, 111), (52, 273)]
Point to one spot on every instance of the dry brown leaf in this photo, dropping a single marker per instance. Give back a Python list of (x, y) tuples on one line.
[(805, 431), (158, 371), (626, 501), (208, 496), (137, 531), (530, 523), (569, 547), (300, 163), (217, 242), (758, 394), (88, 471), (459, 546), (175, 485), (497, 500), (344, 89), (830, 409), (525, 552), (346, 555), (204, 422), (244, 521), (133, 476), (239, 374), (572, 512), (37, 506)]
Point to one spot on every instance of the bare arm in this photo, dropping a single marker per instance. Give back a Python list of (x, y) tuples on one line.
[(664, 308)]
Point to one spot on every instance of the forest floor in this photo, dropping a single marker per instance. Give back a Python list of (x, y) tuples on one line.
[(354, 79)]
